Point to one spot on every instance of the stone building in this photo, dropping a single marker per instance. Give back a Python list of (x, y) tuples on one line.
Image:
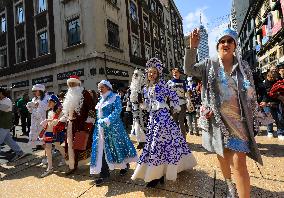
[(46, 41)]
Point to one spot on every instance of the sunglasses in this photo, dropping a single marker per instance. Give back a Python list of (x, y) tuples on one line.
[(229, 41)]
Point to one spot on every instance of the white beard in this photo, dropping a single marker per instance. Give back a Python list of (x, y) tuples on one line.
[(136, 85), (73, 101)]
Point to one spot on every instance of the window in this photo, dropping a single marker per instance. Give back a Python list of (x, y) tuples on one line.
[(135, 46), (113, 2), (153, 6), (113, 34), (42, 43), (41, 6), (3, 23), (147, 52), (146, 23), (133, 11), (155, 31), (73, 29), (20, 14), (3, 58), (21, 51)]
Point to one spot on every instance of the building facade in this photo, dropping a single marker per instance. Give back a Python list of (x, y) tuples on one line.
[(262, 34), (46, 41), (203, 48)]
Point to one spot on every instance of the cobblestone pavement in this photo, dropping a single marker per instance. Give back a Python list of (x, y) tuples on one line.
[(22, 179)]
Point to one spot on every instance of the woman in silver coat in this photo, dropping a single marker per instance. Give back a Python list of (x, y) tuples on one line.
[(228, 112)]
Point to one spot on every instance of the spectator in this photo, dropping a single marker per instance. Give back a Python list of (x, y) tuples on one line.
[(24, 113)]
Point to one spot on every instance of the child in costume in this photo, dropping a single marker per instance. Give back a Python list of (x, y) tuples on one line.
[(53, 133)]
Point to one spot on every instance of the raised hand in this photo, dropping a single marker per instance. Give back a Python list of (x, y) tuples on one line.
[(194, 38)]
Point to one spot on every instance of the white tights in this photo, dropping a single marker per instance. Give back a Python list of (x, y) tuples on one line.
[(48, 148)]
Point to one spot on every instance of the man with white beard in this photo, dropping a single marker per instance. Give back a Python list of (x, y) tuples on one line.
[(79, 114), (139, 115)]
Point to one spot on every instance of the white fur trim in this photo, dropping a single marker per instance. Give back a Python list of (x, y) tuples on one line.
[(90, 120), (38, 87), (75, 80), (106, 83)]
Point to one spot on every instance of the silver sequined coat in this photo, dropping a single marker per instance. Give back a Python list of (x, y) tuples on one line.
[(214, 129)]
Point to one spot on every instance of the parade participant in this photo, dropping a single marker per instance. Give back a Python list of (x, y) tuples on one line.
[(166, 152), (79, 114), (37, 107), (193, 105), (112, 148), (179, 86), (6, 124), (139, 115), (230, 108), (53, 133)]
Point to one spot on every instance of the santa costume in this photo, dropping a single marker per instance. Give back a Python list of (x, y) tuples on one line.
[(37, 107), (166, 152), (79, 114), (139, 115)]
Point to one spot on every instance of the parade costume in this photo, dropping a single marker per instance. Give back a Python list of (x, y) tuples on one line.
[(179, 87), (38, 114), (112, 148), (166, 152), (139, 115), (53, 133), (231, 99), (79, 114)]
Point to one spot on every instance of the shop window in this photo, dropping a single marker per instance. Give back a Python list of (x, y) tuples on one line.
[(74, 33), (113, 34)]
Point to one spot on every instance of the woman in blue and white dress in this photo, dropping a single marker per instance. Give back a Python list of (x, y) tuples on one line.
[(112, 148), (166, 152)]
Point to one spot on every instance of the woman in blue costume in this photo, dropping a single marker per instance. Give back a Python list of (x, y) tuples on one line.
[(112, 148), (166, 152)]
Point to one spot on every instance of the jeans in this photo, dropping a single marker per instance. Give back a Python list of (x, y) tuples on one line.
[(191, 117), (277, 114), (179, 119), (5, 137)]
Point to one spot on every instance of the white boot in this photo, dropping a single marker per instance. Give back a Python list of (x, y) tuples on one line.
[(231, 189)]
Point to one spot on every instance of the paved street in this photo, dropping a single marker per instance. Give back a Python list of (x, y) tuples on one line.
[(21, 179)]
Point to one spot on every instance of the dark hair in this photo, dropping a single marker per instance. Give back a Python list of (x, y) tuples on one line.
[(4, 92), (95, 96), (42, 94)]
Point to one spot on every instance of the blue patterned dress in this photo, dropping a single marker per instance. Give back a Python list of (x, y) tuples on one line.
[(166, 152), (110, 137)]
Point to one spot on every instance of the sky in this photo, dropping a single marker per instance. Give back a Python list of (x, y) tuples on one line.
[(214, 17)]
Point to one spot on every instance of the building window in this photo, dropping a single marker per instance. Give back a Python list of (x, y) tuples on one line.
[(21, 51), (74, 33), (133, 11), (113, 2), (20, 18), (135, 46), (3, 24), (3, 58), (146, 23), (113, 34), (42, 43), (155, 31), (41, 6), (153, 6), (147, 52)]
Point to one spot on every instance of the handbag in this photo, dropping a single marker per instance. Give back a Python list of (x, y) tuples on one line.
[(80, 140)]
